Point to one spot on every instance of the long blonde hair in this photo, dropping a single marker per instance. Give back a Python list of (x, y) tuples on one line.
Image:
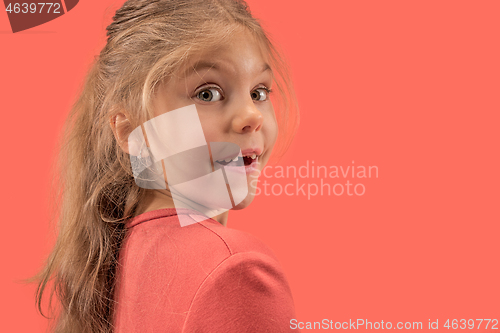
[(147, 41)]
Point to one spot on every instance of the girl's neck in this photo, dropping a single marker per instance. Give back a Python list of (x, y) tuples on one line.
[(160, 199)]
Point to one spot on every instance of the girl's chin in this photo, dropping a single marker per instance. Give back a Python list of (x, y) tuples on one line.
[(252, 174), (246, 202)]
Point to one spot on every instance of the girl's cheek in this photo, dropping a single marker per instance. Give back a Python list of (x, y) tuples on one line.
[(211, 126), (271, 126)]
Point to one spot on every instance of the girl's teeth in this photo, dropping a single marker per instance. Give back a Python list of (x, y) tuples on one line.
[(253, 157)]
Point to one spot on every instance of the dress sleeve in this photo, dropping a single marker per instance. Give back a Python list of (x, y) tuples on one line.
[(247, 292)]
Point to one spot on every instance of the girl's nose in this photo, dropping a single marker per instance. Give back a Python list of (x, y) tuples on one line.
[(247, 118)]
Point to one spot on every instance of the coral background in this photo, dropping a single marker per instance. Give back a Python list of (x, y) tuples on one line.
[(410, 87)]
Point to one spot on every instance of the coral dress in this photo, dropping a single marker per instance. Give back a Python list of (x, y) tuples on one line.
[(203, 277)]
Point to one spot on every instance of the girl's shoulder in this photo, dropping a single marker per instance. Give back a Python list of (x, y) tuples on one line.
[(202, 277), (207, 238)]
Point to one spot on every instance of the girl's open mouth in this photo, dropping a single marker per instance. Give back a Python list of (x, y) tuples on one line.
[(247, 160)]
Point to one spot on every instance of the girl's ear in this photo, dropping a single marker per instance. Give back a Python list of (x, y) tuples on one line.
[(120, 125)]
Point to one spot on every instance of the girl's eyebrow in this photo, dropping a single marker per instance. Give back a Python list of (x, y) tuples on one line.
[(215, 65), (199, 66)]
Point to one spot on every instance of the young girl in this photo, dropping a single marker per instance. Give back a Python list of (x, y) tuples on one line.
[(139, 256)]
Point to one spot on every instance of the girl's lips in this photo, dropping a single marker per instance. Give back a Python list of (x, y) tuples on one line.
[(239, 168), (250, 151), (245, 152), (246, 159), (252, 167)]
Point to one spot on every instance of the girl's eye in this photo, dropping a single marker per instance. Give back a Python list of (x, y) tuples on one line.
[(260, 94), (209, 95)]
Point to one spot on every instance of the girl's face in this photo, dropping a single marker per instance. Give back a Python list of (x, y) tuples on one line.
[(230, 89)]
